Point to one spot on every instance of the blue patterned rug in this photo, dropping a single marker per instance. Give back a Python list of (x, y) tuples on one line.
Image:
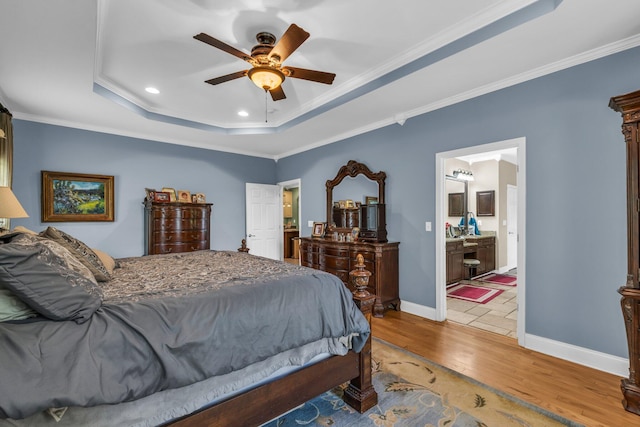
[(413, 391)]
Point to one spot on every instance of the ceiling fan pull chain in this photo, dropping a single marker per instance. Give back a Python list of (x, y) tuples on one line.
[(265, 106)]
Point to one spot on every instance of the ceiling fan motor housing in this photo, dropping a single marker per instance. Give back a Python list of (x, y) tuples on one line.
[(260, 52)]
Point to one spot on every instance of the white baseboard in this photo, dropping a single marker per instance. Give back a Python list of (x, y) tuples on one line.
[(418, 310), (583, 356)]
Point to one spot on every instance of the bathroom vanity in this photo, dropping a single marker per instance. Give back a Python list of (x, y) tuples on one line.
[(482, 248)]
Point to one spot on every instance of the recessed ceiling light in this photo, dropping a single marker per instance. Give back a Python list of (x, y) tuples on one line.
[(152, 90), (243, 113)]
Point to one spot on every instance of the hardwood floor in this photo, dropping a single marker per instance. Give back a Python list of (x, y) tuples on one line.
[(582, 394)]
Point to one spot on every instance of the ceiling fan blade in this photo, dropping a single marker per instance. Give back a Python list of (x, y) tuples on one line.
[(311, 75), (289, 42), (222, 79), (222, 46), (277, 94)]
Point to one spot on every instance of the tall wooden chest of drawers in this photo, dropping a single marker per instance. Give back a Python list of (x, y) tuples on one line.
[(176, 227), (339, 258)]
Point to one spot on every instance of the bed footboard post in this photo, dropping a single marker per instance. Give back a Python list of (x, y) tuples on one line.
[(360, 393)]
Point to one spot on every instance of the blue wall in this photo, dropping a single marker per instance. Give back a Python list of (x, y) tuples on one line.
[(576, 199), (136, 164)]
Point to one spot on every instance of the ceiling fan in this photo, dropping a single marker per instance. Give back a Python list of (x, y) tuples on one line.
[(266, 58)]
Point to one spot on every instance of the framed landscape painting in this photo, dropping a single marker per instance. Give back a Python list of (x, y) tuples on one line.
[(68, 197)]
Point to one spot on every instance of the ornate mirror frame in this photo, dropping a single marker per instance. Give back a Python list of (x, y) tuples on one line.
[(353, 169)]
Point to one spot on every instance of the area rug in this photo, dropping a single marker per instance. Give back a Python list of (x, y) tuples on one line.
[(473, 293), (501, 279), (413, 391)]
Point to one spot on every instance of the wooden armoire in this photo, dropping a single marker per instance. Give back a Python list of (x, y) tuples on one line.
[(629, 106)]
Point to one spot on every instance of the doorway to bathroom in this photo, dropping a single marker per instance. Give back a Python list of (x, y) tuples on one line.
[(480, 274)]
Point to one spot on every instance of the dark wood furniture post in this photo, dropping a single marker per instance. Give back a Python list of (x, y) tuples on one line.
[(360, 394), (629, 106)]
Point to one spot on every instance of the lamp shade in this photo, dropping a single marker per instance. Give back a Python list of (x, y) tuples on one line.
[(266, 78), (10, 207)]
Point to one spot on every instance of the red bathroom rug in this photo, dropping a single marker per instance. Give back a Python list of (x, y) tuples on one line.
[(473, 293), (500, 279)]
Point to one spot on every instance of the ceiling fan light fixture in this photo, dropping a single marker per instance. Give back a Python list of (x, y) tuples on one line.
[(266, 78)]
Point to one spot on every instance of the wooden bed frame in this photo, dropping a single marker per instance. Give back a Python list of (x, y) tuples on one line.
[(266, 402)]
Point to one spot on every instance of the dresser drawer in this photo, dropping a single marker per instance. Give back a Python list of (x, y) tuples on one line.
[(176, 212), (177, 224), (334, 263), (336, 251), (169, 248), (369, 257), (165, 236)]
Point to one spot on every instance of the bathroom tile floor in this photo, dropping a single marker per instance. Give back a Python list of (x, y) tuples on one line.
[(498, 315)]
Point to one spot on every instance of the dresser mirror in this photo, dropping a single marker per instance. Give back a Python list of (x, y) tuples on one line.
[(342, 218)]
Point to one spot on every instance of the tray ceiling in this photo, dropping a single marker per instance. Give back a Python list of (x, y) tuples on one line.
[(86, 64)]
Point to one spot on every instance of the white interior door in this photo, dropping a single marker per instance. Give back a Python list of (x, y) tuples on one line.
[(512, 226), (264, 220)]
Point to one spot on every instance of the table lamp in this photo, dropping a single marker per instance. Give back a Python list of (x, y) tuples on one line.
[(10, 207)]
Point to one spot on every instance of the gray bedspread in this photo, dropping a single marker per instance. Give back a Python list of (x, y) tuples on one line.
[(151, 335)]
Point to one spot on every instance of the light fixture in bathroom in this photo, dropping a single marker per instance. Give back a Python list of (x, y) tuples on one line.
[(464, 175)]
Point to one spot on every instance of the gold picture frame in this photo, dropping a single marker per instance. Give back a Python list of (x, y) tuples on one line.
[(77, 197), (172, 193), (184, 196)]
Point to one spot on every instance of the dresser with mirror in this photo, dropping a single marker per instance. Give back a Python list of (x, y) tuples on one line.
[(356, 224)]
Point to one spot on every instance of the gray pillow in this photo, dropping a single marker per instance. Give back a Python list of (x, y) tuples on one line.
[(81, 251), (43, 280), (70, 260)]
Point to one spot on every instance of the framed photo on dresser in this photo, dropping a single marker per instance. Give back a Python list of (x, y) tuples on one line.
[(172, 193), (161, 197), (318, 229), (184, 196)]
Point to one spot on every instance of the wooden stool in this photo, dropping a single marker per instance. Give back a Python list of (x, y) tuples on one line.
[(471, 264)]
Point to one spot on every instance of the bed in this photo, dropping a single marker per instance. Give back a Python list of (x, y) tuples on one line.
[(181, 339)]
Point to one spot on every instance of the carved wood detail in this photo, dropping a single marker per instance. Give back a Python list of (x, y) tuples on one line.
[(629, 106), (353, 169)]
